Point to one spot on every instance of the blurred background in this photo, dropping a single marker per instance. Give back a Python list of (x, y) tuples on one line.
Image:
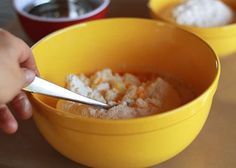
[(118, 8)]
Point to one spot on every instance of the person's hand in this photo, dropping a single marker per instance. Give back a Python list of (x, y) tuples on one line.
[(17, 70)]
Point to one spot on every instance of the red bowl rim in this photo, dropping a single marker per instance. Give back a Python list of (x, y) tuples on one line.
[(98, 10)]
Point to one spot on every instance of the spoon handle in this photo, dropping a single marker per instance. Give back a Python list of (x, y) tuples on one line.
[(41, 86)]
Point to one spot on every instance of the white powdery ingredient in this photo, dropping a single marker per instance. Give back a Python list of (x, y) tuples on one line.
[(203, 13), (131, 79), (77, 85), (111, 95), (101, 76), (134, 98), (103, 86), (141, 103)]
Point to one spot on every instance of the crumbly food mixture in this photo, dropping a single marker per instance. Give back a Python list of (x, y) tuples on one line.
[(203, 13), (134, 98)]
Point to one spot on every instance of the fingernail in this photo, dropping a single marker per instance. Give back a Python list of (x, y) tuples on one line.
[(22, 106), (29, 76), (26, 109)]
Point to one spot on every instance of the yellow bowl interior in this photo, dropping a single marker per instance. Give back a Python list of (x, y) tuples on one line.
[(164, 49)]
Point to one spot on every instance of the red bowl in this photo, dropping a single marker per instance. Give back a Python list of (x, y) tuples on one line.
[(37, 27)]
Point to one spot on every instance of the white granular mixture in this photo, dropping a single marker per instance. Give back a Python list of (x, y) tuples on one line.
[(134, 98), (203, 13)]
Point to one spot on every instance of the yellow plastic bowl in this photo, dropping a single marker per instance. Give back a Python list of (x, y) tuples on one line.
[(125, 45), (221, 39)]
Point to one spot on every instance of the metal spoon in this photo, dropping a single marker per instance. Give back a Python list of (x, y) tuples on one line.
[(41, 86)]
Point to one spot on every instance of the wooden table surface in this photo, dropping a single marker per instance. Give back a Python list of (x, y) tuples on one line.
[(215, 147)]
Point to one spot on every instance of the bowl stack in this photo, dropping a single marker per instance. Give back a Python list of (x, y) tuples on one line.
[(222, 39)]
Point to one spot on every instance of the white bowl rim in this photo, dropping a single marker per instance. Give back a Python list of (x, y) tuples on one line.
[(20, 10)]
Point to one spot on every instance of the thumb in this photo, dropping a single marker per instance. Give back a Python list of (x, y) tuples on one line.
[(28, 75)]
